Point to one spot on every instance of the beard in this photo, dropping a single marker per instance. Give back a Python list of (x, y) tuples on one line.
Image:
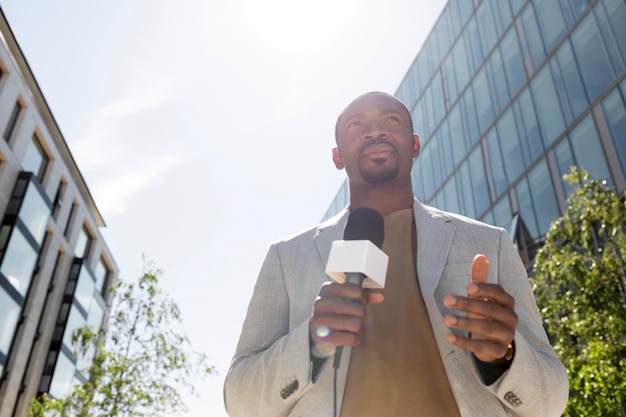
[(380, 175)]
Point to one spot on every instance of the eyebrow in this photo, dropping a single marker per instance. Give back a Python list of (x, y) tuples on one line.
[(347, 117)]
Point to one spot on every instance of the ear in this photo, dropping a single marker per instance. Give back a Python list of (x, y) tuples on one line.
[(337, 159), (416, 146)]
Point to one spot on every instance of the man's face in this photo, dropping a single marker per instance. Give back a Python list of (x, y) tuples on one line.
[(375, 141)]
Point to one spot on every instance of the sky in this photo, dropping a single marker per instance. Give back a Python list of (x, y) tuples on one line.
[(204, 129)]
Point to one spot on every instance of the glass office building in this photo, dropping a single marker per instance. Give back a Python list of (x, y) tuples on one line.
[(54, 264), (506, 95)]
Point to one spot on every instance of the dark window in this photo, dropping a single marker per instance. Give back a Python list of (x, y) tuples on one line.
[(35, 158), (10, 127)]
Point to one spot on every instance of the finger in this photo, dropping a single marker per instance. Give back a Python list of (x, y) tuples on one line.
[(346, 291), (484, 349), (374, 297), (491, 292), (502, 332), (481, 309), (480, 268)]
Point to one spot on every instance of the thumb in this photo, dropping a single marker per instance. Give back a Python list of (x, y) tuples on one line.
[(480, 268)]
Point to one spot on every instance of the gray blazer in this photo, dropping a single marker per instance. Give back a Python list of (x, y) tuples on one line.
[(270, 374)]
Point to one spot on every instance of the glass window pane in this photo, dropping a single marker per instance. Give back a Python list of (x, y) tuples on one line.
[(469, 117), (461, 66), (35, 159), (588, 151), (528, 126), (571, 78), (592, 57), (543, 197), (471, 41), (19, 262), (84, 289), (457, 134), (565, 160), (479, 181), (512, 157), (75, 320), (615, 110), (551, 21), (548, 107), (614, 52), (486, 26), (10, 313), (452, 200), (35, 213), (482, 99), (465, 191), (497, 174), (102, 273), (526, 210), (512, 61), (616, 10), (502, 213), (63, 378), (498, 84), (532, 42)]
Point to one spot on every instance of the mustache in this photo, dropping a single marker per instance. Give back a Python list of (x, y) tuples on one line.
[(376, 141)]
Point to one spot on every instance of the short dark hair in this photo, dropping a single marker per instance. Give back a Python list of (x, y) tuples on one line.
[(366, 94)]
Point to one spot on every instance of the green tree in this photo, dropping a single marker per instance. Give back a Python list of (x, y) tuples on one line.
[(140, 363), (580, 284)]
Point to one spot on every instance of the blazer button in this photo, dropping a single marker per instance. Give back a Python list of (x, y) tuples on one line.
[(513, 399), (289, 389)]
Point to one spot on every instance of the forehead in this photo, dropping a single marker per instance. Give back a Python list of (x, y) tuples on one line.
[(374, 102)]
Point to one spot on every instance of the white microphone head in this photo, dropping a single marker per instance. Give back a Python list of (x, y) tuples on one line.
[(358, 256)]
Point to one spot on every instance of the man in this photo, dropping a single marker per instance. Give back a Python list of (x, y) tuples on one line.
[(455, 331)]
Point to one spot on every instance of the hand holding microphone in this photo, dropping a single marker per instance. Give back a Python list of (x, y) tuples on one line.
[(357, 264)]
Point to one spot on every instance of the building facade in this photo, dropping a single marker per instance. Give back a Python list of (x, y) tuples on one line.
[(55, 267), (506, 95)]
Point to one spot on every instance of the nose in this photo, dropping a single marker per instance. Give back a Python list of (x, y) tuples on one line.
[(374, 130)]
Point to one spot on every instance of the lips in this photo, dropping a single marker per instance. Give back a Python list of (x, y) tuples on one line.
[(373, 150)]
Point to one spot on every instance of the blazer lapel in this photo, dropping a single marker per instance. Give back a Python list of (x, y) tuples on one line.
[(329, 231), (434, 237)]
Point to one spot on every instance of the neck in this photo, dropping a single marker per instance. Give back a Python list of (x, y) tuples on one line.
[(384, 199)]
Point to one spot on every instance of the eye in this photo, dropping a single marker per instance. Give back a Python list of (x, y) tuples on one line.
[(392, 119), (354, 123)]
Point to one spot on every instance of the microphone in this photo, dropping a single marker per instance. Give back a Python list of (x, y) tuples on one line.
[(358, 259)]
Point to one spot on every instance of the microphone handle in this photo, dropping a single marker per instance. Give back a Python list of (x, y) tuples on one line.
[(352, 278)]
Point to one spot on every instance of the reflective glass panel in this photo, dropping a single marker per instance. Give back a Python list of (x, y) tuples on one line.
[(548, 106), (494, 159), (526, 117), (551, 21), (479, 181), (465, 191), (571, 79), (526, 210), (84, 289), (498, 84), (75, 320), (19, 262), (543, 197), (532, 42), (486, 26), (10, 313), (587, 150), (35, 213), (592, 57), (512, 157), (35, 159), (101, 275), (615, 110), (450, 195), (512, 61), (471, 40), (502, 213), (62, 380), (616, 10), (482, 98)]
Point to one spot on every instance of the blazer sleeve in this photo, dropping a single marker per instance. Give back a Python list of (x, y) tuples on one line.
[(271, 368), (536, 384)]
